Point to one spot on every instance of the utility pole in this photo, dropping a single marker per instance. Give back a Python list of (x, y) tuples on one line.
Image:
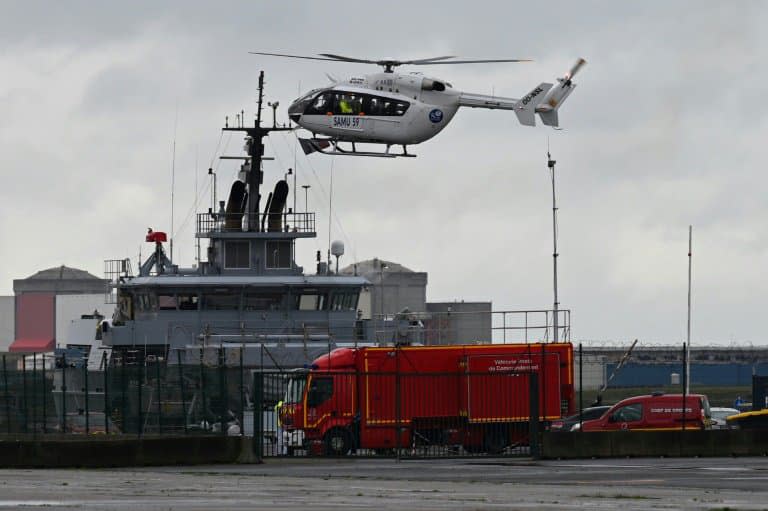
[(551, 166), (688, 337)]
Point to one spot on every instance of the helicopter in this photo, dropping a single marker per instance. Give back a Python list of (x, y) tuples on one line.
[(401, 109)]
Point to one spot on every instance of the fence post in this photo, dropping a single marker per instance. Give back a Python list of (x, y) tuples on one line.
[(203, 406), (106, 391), (24, 390), (123, 400), (87, 395), (242, 394), (7, 398), (159, 398), (397, 401), (181, 389), (258, 414), (685, 384), (44, 394), (64, 392), (581, 386), (34, 395), (533, 385), (139, 381), (222, 392)]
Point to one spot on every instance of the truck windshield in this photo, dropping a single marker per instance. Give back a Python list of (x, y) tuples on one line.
[(295, 390)]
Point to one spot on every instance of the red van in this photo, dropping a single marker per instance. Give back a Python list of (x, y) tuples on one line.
[(654, 412)]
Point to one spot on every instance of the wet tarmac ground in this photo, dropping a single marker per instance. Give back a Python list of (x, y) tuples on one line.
[(627, 484)]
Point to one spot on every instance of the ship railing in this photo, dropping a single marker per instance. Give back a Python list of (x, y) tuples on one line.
[(265, 222), (428, 328), (462, 327), (115, 270)]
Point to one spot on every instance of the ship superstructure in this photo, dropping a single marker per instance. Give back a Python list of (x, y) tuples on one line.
[(250, 293)]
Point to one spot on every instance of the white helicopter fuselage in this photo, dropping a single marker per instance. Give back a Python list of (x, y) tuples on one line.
[(388, 108)]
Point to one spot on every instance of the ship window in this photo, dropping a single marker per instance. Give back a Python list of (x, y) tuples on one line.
[(237, 254), (221, 302), (278, 254), (344, 301), (313, 301), (166, 302), (262, 302), (187, 302)]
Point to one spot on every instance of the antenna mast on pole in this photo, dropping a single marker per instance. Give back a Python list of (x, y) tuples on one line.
[(551, 166), (255, 145)]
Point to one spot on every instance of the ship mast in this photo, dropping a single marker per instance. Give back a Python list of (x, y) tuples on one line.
[(255, 147)]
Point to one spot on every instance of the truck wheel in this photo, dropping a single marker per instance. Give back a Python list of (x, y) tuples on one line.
[(337, 442), (496, 440)]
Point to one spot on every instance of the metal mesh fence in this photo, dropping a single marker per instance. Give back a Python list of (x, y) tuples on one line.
[(289, 413)]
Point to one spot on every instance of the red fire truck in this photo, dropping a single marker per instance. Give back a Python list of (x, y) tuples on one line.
[(382, 398)]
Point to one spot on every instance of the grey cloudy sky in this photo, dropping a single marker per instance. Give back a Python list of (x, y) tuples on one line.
[(667, 128)]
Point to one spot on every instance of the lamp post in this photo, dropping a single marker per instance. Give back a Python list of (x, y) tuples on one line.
[(551, 166)]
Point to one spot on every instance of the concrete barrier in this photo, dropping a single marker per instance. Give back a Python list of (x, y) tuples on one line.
[(615, 444), (123, 451)]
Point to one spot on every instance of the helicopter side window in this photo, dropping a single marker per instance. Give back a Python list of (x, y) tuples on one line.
[(322, 105), (348, 104), (373, 106)]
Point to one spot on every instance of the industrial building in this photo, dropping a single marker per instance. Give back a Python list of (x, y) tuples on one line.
[(396, 289), (37, 317)]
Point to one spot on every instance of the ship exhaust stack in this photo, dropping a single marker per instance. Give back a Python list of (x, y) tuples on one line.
[(233, 219), (276, 206)]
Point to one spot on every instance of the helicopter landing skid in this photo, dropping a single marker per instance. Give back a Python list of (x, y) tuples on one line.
[(331, 146)]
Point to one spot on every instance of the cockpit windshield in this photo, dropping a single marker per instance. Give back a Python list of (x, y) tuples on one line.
[(294, 392)]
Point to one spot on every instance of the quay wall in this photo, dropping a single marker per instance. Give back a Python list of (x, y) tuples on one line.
[(59, 452), (614, 444)]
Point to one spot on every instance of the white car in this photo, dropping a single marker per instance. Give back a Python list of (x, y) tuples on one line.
[(719, 415)]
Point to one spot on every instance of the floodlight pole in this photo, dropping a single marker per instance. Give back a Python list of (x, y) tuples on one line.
[(551, 166)]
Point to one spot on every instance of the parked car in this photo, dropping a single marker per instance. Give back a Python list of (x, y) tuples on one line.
[(568, 423), (657, 411), (719, 415), (749, 420)]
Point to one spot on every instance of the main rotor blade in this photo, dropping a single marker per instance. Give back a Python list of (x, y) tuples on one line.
[(433, 59), (482, 61), (342, 58), (290, 56)]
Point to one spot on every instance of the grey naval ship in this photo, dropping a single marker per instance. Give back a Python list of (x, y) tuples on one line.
[(249, 305)]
